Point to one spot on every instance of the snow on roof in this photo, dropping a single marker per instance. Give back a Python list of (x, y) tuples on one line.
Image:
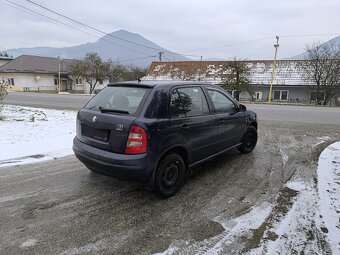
[(287, 72)]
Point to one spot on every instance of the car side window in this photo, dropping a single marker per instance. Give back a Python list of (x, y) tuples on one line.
[(193, 101), (188, 102), (176, 106), (221, 102)]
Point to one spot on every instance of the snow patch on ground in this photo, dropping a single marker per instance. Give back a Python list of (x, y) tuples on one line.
[(29, 243), (234, 228), (329, 194), (312, 225), (91, 248), (30, 135), (295, 232), (297, 185), (305, 219)]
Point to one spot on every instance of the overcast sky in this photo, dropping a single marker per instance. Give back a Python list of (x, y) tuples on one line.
[(213, 29)]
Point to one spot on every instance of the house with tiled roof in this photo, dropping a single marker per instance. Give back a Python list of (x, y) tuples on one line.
[(289, 82), (35, 73)]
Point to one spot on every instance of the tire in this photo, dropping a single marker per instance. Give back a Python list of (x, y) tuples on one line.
[(169, 175), (249, 140)]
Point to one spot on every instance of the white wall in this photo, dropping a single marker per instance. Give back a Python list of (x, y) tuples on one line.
[(32, 81)]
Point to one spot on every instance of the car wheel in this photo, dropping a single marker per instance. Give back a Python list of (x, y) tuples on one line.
[(170, 175), (249, 140)]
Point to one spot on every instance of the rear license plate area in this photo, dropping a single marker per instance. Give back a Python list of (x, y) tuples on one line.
[(95, 133)]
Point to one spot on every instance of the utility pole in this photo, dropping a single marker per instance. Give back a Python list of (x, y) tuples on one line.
[(59, 70), (160, 56), (273, 71)]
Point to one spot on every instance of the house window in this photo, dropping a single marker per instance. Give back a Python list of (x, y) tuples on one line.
[(79, 81), (10, 81), (281, 94), (258, 95), (55, 81), (100, 81)]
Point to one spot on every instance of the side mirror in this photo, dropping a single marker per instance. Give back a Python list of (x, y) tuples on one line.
[(243, 108)]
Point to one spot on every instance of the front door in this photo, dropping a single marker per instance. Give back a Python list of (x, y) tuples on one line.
[(231, 121), (193, 121)]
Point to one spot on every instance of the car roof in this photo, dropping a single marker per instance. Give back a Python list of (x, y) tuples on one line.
[(154, 83)]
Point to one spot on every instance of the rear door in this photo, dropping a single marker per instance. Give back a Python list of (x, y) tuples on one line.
[(106, 120), (194, 122), (231, 121)]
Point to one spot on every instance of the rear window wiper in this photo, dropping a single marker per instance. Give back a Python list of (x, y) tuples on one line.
[(103, 110)]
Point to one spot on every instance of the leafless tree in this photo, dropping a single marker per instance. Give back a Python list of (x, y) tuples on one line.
[(116, 72), (322, 68), (236, 76), (92, 69), (135, 73)]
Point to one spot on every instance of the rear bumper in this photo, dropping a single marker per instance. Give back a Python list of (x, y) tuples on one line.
[(132, 167)]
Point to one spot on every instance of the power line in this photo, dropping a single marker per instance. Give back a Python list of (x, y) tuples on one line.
[(69, 26), (135, 43), (100, 31), (259, 39), (232, 44), (91, 28), (307, 35), (166, 58), (132, 59)]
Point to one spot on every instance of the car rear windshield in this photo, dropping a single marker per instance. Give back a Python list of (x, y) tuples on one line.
[(119, 100)]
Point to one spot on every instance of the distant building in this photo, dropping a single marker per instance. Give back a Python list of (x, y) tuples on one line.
[(35, 73), (289, 83)]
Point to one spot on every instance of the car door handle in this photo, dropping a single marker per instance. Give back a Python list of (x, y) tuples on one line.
[(222, 121), (185, 127)]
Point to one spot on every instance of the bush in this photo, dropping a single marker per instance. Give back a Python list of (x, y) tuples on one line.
[(3, 94)]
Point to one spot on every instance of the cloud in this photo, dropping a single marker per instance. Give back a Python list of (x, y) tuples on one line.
[(195, 27)]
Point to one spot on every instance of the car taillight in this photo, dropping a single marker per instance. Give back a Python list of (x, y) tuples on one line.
[(137, 141)]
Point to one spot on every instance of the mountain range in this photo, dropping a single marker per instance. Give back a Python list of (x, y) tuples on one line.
[(335, 41), (123, 46), (116, 46)]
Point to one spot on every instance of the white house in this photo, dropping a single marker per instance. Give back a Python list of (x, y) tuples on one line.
[(289, 83), (35, 73)]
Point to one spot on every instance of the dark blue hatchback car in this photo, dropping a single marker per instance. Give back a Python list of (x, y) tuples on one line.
[(155, 131)]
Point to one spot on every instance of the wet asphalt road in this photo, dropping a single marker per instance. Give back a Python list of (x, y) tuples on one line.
[(60, 207), (54, 101)]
